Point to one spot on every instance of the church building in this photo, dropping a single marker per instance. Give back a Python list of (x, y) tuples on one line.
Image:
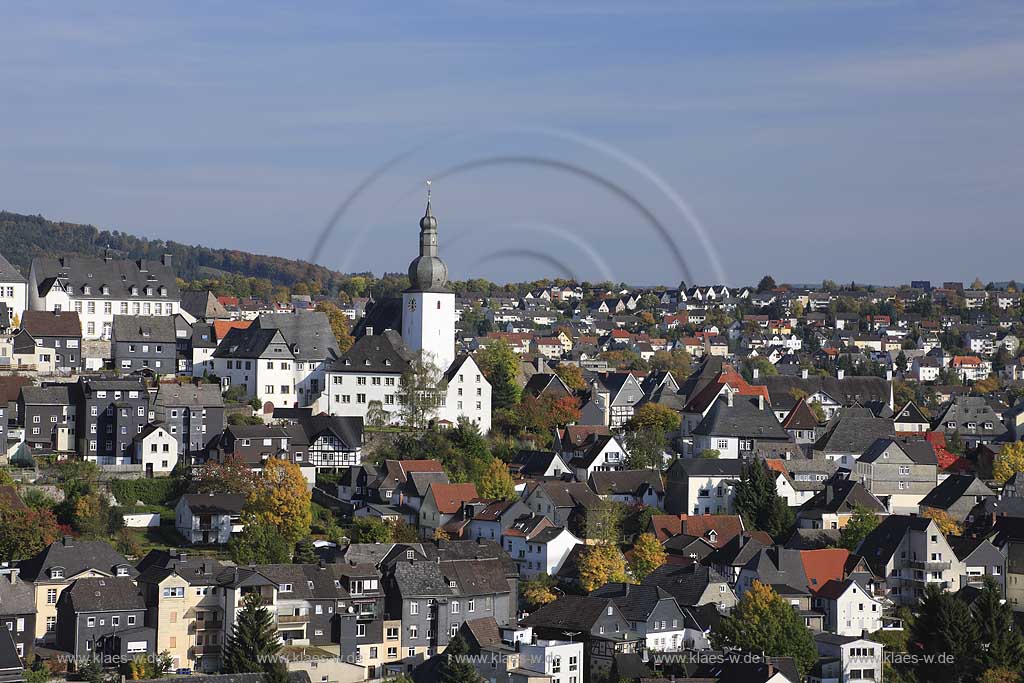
[(394, 331)]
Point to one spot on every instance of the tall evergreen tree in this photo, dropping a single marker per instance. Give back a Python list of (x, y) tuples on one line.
[(948, 635), (758, 502), (504, 390), (305, 552), (1001, 642), (252, 645), (455, 669)]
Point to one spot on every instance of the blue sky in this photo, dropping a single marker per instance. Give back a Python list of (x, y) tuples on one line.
[(851, 139)]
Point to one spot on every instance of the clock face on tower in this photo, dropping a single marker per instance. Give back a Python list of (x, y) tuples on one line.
[(412, 304)]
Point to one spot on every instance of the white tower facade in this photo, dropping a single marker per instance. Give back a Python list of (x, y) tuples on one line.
[(428, 315)]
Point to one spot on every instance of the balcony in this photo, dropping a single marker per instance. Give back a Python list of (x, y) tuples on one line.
[(209, 625), (206, 649), (292, 618), (929, 566)]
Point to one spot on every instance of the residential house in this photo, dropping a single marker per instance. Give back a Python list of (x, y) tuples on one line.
[(208, 518), (652, 613), (631, 487), (57, 566), (736, 428), (566, 503), (596, 622), (193, 413), (156, 449), (973, 419), (911, 422), (604, 453), (56, 332), (847, 658), (981, 561), (849, 608), (907, 553), (613, 397), (104, 618), (47, 414), (850, 433), (144, 344), (109, 414), (834, 505), (900, 472), (693, 585), (441, 504), (13, 290), (701, 485), (957, 495), (538, 546), (538, 465), (18, 610)]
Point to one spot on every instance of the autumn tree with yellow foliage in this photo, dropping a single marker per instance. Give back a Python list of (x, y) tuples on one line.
[(601, 564), (1009, 461), (282, 500), (648, 555), (947, 525), (496, 482)]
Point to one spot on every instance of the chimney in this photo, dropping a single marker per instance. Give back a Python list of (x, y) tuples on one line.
[(369, 330), (829, 493), (840, 373), (728, 397), (107, 255), (760, 401), (67, 542), (166, 260), (757, 373), (804, 373)]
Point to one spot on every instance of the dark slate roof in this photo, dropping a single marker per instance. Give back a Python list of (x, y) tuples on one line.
[(533, 463), (214, 503), (964, 410), (635, 602), (846, 391), (10, 662), (203, 305), (626, 482), (417, 483), (120, 275), (308, 333), (707, 467), (569, 494), (879, 545), (385, 353), (778, 566), (800, 417), (813, 539), (911, 414), (741, 419), (569, 612), (839, 495), (685, 584), (17, 597), (75, 556), (420, 579), (144, 328), (249, 342), (953, 488), (382, 315), (8, 273), (849, 434), (106, 594), (348, 429), (737, 552), (176, 394), (52, 395), (587, 457), (51, 323)]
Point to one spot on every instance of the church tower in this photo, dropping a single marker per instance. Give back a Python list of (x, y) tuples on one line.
[(428, 306)]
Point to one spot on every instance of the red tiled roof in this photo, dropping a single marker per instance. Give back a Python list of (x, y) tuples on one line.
[(450, 497), (221, 327), (421, 466), (965, 360), (726, 526), (822, 566), (946, 459)]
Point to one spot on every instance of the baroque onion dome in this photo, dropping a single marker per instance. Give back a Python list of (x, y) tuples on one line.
[(427, 272)]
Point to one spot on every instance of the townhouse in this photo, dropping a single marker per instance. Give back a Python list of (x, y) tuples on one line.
[(902, 472), (56, 332), (103, 618), (144, 344), (192, 413), (702, 485)]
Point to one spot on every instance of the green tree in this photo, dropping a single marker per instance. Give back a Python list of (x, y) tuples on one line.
[(539, 591), (656, 416), (23, 533), (677, 361), (370, 530), (496, 483), (645, 448), (998, 634), (456, 668), (763, 622), (420, 391), (710, 454), (260, 543), (945, 631), (305, 552), (253, 643), (861, 523), (758, 501), (572, 376), (767, 283), (339, 324)]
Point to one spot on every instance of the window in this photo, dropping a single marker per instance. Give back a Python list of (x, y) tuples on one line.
[(51, 596), (392, 633), (414, 607), (286, 588), (414, 631), (455, 606), (174, 592), (471, 606), (360, 630), (90, 622)]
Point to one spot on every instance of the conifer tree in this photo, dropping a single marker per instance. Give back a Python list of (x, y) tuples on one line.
[(252, 645), (1001, 640), (455, 668)]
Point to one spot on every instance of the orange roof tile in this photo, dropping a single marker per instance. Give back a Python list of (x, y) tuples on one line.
[(821, 566), (221, 327), (450, 497)]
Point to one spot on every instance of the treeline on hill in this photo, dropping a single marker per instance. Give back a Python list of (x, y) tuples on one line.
[(229, 272)]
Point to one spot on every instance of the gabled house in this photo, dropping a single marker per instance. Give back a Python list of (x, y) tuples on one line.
[(652, 613), (907, 552), (537, 545), (18, 611), (104, 618), (957, 495), (973, 419), (911, 422), (737, 427), (144, 345), (61, 563), (565, 503), (902, 472), (441, 504), (701, 485), (209, 518), (835, 503), (981, 561), (604, 453), (56, 332), (613, 397), (850, 433), (538, 465), (632, 487), (693, 585), (849, 609)]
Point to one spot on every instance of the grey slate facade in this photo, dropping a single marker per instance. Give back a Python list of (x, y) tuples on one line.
[(193, 413), (141, 343), (103, 618), (110, 412), (60, 331)]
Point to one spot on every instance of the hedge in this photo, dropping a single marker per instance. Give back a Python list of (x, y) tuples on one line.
[(161, 491)]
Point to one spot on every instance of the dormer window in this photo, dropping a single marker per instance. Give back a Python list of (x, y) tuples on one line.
[(56, 572), (387, 361), (106, 289), (451, 584), (286, 588), (410, 554), (122, 571), (135, 290), (87, 290), (163, 291)]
